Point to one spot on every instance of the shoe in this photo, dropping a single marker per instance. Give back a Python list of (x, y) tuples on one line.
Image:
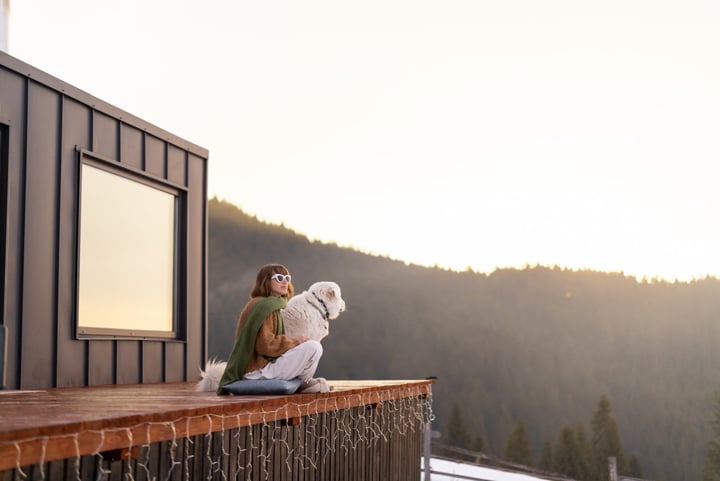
[(314, 385)]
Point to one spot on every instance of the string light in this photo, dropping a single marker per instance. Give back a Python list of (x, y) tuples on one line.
[(281, 440), (19, 469)]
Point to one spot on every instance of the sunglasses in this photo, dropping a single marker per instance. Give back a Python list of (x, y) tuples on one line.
[(280, 277)]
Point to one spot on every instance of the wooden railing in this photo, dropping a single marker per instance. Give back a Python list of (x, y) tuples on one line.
[(360, 430)]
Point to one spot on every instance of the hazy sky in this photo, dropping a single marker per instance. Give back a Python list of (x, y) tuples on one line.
[(457, 133)]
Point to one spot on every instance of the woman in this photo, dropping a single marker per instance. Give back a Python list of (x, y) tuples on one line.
[(262, 350)]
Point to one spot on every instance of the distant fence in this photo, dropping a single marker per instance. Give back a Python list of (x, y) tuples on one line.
[(478, 457)]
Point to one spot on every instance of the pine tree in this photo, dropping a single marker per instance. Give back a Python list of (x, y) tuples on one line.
[(457, 434), (517, 446), (584, 452), (711, 470), (567, 455), (635, 470), (605, 442), (479, 444), (709, 473), (546, 457)]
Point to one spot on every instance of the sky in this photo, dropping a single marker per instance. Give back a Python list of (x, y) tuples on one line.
[(460, 134)]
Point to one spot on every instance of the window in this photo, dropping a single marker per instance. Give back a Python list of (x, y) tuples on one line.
[(128, 253)]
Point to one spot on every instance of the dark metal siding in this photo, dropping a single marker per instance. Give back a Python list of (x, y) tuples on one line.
[(72, 359), (13, 101), (40, 226), (47, 121)]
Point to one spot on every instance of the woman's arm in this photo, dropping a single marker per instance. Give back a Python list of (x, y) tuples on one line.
[(268, 343)]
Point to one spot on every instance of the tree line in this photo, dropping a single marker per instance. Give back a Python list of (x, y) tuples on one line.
[(572, 453), (536, 345)]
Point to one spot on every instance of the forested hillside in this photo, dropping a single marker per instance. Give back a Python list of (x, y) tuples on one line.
[(539, 345)]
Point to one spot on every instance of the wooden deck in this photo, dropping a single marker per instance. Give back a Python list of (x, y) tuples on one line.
[(46, 425)]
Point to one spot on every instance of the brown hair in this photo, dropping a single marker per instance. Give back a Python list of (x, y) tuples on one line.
[(262, 282)]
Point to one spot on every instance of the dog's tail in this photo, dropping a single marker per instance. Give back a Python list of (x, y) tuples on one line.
[(210, 377)]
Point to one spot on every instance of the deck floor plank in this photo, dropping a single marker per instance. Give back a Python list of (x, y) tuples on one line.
[(42, 425)]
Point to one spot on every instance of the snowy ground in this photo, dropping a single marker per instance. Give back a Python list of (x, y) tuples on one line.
[(446, 470)]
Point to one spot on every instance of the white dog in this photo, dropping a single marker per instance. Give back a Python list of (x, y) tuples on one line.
[(307, 314)]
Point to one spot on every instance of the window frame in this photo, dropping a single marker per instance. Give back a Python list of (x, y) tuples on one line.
[(179, 263)]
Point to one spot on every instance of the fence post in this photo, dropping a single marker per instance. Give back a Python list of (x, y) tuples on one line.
[(429, 436), (612, 462)]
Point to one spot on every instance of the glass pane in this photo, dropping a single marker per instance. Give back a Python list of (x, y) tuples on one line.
[(127, 252)]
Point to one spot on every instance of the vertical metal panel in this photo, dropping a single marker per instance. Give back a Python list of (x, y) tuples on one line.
[(3, 355), (176, 165), (3, 215), (13, 107), (128, 362), (71, 353), (38, 319), (152, 362), (100, 362), (175, 363), (196, 305), (154, 156), (105, 136), (131, 146)]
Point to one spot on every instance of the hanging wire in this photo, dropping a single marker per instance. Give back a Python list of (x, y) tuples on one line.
[(305, 443)]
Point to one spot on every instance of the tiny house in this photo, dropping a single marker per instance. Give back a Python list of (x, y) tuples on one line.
[(104, 318), (103, 240)]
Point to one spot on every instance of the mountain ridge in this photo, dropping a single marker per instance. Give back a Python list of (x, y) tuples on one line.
[(538, 345)]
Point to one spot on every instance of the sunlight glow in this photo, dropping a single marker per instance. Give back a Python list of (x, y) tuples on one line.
[(482, 134)]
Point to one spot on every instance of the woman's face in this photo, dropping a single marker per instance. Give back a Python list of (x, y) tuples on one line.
[(279, 284)]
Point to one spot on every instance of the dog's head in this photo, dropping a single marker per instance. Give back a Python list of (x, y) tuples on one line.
[(329, 293)]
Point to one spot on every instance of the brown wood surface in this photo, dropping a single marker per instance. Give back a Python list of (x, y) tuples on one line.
[(44, 425)]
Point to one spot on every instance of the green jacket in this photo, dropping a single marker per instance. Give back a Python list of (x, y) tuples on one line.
[(244, 348)]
